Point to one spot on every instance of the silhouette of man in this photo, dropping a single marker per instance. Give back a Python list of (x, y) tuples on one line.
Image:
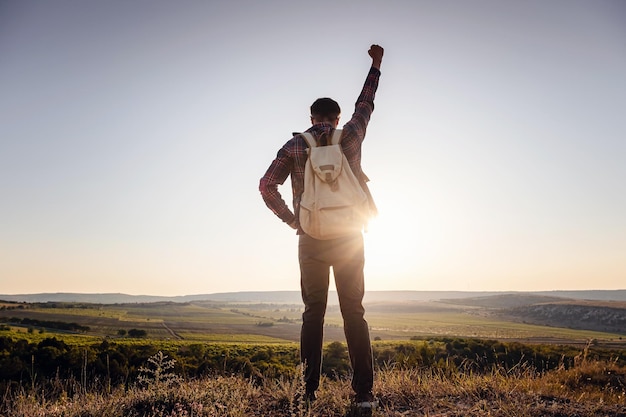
[(345, 254)]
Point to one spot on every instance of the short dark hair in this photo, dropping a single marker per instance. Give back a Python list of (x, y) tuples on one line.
[(325, 109)]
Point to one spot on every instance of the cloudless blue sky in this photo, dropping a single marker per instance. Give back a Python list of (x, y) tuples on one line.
[(133, 135)]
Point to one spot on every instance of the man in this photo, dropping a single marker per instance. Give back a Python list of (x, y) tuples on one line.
[(344, 254)]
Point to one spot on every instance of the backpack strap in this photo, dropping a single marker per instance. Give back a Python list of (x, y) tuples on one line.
[(337, 136), (310, 140)]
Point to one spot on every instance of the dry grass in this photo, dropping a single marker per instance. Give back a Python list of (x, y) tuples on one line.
[(589, 389)]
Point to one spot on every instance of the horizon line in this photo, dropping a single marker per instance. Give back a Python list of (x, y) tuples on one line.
[(295, 290)]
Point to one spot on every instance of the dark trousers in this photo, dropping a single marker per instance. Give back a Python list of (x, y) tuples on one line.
[(346, 256)]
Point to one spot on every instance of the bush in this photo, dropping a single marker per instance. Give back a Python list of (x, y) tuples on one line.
[(137, 333)]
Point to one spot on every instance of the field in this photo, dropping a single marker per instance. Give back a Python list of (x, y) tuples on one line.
[(273, 323), (437, 358)]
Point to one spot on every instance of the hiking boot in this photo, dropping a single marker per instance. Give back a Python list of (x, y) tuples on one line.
[(364, 405)]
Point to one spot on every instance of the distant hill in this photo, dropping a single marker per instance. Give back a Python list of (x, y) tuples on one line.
[(509, 300), (506, 299), (277, 297), (607, 295), (601, 316), (573, 313)]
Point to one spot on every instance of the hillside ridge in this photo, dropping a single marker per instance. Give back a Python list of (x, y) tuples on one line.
[(294, 297)]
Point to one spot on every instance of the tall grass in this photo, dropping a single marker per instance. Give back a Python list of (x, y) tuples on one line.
[(591, 388)]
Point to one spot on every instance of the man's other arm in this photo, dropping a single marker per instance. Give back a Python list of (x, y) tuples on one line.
[(276, 175)]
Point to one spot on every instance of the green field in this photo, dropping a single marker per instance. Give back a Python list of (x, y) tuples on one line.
[(210, 322)]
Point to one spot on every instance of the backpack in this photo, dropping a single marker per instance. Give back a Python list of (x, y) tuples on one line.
[(333, 204)]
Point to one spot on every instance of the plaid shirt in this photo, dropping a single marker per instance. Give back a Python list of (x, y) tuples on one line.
[(291, 158)]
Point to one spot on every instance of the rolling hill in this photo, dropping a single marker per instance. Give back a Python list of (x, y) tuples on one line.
[(293, 297)]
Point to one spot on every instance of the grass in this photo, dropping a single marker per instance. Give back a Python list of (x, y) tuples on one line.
[(463, 324), (160, 337), (589, 389), (37, 336), (231, 338)]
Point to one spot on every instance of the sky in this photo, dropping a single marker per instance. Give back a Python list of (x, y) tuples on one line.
[(133, 135)]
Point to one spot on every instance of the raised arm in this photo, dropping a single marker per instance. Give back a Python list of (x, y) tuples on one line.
[(365, 103)]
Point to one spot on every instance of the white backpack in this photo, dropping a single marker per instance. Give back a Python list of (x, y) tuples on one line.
[(333, 203)]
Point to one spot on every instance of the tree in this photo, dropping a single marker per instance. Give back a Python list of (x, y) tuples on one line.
[(137, 333)]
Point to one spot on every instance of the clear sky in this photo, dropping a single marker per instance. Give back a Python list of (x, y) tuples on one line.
[(133, 135)]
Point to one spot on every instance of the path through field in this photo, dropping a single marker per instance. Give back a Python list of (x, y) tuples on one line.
[(172, 332)]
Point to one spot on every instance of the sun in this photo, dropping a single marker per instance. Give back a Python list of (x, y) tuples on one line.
[(394, 245)]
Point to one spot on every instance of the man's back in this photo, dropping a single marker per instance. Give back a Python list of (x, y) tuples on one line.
[(291, 158)]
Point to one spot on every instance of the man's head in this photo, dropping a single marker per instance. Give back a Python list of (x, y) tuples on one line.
[(325, 110)]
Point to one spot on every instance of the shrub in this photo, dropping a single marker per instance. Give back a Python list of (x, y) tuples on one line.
[(137, 333), (158, 372)]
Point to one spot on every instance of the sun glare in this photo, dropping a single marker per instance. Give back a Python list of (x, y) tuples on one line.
[(394, 246)]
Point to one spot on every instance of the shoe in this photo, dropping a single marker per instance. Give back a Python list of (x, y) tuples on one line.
[(364, 405), (367, 405)]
